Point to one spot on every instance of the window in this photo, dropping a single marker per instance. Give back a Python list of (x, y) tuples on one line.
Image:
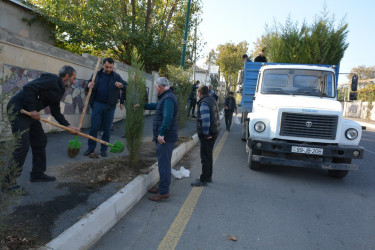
[(276, 80)]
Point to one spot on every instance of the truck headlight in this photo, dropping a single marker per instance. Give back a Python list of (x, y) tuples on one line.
[(259, 127), (351, 134)]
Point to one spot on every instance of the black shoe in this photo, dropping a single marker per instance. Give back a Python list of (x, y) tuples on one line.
[(88, 152), (198, 183), (193, 116), (42, 178), (103, 154), (209, 180)]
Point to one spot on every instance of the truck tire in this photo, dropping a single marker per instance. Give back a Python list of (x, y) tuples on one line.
[(252, 164), (339, 174), (247, 129)]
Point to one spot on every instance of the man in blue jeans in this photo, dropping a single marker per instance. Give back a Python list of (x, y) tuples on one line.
[(165, 135), (103, 101)]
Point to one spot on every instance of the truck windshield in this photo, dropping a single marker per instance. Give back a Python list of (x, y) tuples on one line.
[(298, 82)]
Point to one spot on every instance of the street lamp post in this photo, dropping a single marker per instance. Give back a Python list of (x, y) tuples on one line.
[(184, 42)]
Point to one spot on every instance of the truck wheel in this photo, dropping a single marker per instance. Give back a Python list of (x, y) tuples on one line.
[(252, 164), (339, 173)]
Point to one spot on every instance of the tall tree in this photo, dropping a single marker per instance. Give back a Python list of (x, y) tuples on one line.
[(134, 122), (229, 59), (318, 43), (154, 27)]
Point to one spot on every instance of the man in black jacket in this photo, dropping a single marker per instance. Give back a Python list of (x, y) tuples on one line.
[(261, 57), (103, 101), (211, 92), (208, 126), (230, 106), (35, 96), (193, 98)]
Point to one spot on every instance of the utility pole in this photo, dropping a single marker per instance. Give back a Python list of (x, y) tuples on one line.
[(184, 42), (209, 69), (195, 49)]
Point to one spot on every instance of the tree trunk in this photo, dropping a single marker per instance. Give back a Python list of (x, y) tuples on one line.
[(134, 13), (148, 14), (169, 19)]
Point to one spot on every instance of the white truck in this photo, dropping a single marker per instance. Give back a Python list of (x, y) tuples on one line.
[(296, 120)]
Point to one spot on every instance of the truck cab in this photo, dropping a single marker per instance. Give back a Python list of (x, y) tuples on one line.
[(296, 120)]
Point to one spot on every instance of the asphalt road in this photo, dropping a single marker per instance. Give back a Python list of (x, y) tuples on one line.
[(273, 208)]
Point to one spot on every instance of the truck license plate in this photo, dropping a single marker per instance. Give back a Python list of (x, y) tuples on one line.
[(306, 150)]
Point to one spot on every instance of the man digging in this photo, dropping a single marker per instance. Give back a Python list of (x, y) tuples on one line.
[(35, 96)]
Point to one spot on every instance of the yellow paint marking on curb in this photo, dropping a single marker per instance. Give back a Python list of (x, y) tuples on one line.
[(175, 231)]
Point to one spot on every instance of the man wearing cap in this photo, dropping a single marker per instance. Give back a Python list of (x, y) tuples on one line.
[(165, 135)]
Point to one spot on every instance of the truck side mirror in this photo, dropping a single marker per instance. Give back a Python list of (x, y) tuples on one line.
[(353, 96), (354, 83)]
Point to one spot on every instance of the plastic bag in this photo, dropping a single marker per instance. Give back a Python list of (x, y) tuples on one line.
[(236, 120), (179, 174)]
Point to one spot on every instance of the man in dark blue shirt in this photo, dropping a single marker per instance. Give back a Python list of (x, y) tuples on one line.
[(103, 101)]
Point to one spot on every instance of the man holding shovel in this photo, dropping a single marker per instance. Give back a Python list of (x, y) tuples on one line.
[(103, 101), (35, 96)]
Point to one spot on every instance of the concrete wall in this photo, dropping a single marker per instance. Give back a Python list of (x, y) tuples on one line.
[(358, 109), (11, 15), (27, 59)]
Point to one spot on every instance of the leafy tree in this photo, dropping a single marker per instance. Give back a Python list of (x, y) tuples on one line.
[(259, 44), (155, 27), (364, 73), (367, 93), (134, 122), (318, 43), (229, 58), (181, 80)]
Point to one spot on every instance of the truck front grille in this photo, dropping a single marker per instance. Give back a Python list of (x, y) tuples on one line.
[(309, 126)]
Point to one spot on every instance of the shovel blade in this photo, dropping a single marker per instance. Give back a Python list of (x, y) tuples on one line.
[(75, 144), (74, 147), (118, 147)]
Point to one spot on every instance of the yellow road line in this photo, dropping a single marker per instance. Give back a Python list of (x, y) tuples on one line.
[(175, 231)]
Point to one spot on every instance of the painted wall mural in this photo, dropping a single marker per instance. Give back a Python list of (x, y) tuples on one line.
[(71, 103)]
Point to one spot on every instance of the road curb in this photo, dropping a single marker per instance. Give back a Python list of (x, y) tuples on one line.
[(367, 125), (87, 231)]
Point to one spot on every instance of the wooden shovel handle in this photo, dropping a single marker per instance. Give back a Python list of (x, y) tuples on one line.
[(88, 96), (67, 129)]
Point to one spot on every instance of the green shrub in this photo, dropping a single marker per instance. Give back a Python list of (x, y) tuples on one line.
[(8, 171)]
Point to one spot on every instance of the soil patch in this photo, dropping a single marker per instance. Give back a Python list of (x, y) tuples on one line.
[(28, 226), (31, 225), (114, 169)]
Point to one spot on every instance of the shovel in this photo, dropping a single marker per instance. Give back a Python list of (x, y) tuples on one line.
[(74, 145), (117, 147)]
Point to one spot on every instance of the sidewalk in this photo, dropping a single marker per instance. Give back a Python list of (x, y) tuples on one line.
[(366, 124), (53, 207)]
